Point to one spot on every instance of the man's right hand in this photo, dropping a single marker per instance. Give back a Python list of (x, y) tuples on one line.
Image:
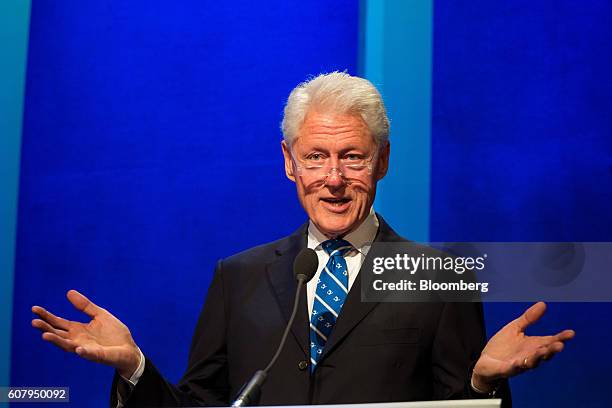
[(104, 339)]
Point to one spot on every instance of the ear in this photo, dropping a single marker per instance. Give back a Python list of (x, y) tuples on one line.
[(383, 161), (288, 161)]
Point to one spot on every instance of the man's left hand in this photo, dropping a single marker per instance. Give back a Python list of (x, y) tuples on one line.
[(511, 351)]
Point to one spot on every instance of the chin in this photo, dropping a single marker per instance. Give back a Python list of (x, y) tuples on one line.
[(332, 228)]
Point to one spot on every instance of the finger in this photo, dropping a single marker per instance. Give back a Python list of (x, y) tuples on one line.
[(556, 347), (542, 341), (549, 356), (64, 344), (519, 366), (88, 353), (91, 352), (545, 341), (83, 304), (528, 363), (542, 354), (53, 320), (565, 335), (46, 327), (531, 315)]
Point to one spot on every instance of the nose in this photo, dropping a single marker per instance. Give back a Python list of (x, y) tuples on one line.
[(335, 178)]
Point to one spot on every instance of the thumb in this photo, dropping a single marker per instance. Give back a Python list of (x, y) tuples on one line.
[(531, 315), (80, 302)]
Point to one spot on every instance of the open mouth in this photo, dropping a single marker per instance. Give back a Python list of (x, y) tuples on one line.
[(336, 204)]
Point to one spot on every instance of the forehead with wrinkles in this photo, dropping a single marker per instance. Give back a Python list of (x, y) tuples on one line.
[(333, 130)]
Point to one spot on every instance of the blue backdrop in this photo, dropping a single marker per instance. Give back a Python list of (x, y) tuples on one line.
[(522, 151), (151, 148)]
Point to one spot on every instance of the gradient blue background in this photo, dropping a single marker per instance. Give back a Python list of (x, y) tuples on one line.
[(522, 151), (151, 148)]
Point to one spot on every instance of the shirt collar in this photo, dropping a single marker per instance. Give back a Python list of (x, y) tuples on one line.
[(360, 238)]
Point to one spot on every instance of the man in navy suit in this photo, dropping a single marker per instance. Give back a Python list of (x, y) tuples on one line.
[(341, 350)]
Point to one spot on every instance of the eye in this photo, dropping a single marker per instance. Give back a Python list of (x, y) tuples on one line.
[(315, 157), (353, 157)]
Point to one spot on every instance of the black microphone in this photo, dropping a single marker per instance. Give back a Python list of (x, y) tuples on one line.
[(305, 266)]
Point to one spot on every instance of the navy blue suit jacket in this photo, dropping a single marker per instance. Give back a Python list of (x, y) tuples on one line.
[(377, 351)]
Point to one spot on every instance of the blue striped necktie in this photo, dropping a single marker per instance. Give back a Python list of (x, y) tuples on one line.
[(330, 295)]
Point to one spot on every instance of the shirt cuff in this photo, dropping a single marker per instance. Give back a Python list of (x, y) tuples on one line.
[(478, 390), (133, 380)]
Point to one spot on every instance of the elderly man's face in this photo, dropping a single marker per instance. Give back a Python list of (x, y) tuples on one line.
[(326, 161)]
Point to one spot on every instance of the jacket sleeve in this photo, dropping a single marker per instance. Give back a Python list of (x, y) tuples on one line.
[(205, 382), (459, 340)]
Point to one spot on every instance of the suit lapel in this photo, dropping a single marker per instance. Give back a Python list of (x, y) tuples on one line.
[(280, 275), (354, 310)]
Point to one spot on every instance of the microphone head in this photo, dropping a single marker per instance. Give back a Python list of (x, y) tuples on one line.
[(305, 264)]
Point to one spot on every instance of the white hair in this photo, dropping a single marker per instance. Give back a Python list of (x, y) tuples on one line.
[(336, 92)]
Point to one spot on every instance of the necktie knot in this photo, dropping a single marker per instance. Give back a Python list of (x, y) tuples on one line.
[(336, 247)]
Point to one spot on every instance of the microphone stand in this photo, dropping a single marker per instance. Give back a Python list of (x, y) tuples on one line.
[(250, 392)]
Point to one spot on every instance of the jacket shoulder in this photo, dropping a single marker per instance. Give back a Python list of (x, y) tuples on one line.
[(261, 253), (268, 252)]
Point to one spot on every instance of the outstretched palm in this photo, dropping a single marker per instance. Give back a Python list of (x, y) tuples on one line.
[(104, 339), (511, 351)]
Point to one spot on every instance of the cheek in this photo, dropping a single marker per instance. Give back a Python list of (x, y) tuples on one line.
[(307, 196), (363, 189), (363, 195)]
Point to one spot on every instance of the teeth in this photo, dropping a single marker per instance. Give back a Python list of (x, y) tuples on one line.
[(336, 203)]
